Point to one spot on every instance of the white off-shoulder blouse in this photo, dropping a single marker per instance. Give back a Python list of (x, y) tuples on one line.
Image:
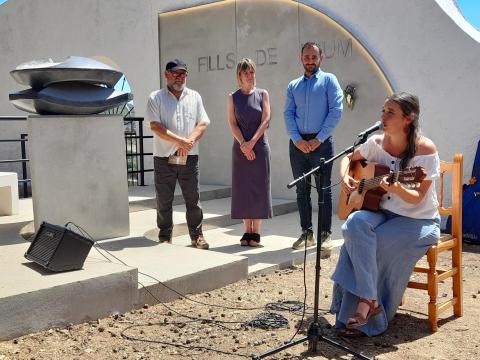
[(372, 150)]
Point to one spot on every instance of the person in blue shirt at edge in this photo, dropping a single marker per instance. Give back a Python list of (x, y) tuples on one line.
[(313, 109)]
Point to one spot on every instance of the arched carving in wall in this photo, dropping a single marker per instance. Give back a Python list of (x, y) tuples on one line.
[(210, 38)]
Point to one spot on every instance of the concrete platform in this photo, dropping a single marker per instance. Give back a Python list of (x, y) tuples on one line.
[(104, 287), (182, 268), (216, 213), (275, 252), (33, 299)]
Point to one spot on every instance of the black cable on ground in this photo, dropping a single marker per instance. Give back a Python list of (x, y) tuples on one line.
[(193, 319), (268, 321), (285, 305)]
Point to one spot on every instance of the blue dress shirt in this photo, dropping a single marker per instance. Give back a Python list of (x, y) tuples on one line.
[(313, 106)]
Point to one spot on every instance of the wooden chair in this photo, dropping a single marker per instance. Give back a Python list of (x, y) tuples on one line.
[(452, 242)]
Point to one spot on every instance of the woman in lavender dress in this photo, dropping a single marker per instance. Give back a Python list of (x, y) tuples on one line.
[(248, 117)]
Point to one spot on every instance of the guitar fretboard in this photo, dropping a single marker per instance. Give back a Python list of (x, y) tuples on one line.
[(404, 176)]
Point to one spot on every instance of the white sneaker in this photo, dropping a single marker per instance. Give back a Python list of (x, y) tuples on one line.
[(326, 245), (307, 236)]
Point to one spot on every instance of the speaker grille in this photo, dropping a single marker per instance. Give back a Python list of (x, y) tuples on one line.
[(58, 248), (46, 244)]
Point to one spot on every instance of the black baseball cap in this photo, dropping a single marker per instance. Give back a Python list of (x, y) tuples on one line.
[(175, 65)]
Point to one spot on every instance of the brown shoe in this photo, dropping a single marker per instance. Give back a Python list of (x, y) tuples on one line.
[(199, 242)]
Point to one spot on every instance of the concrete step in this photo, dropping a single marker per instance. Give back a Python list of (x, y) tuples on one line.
[(140, 198), (185, 269), (275, 252), (141, 271), (216, 213), (189, 270), (34, 299), (143, 197)]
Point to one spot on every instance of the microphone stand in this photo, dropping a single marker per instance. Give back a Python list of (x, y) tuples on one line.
[(315, 333)]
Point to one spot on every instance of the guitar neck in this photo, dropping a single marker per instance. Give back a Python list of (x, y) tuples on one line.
[(369, 184)]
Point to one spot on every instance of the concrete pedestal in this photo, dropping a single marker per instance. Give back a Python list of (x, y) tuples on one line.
[(78, 172), (8, 193)]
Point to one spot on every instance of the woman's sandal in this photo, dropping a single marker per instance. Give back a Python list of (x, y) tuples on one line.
[(245, 240), (254, 240), (358, 319)]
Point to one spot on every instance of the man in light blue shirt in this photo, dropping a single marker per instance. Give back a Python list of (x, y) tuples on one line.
[(313, 109)]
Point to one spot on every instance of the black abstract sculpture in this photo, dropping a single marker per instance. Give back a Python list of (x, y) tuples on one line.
[(77, 86)]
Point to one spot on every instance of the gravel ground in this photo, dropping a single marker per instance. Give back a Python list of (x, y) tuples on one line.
[(171, 331)]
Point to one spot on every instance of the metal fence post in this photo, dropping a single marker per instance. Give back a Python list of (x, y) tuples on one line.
[(140, 133), (24, 139)]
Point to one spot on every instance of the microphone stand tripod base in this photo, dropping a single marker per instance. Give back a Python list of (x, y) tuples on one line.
[(313, 337)]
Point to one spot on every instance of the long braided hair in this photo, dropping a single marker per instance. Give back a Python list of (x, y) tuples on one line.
[(410, 106)]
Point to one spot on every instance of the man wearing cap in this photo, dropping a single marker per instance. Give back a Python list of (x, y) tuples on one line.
[(178, 120)]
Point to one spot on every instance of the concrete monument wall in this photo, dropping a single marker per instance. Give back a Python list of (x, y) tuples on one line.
[(79, 173), (215, 37), (425, 47)]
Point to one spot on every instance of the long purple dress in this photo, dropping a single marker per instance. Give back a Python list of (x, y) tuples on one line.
[(251, 196)]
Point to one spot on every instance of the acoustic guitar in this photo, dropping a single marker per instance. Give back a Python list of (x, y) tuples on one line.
[(368, 194)]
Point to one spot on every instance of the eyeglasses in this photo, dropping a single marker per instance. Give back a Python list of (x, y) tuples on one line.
[(178, 73)]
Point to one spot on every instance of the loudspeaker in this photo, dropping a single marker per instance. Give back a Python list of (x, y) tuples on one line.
[(57, 248)]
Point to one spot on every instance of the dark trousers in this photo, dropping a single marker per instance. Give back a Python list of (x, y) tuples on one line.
[(302, 163), (166, 176)]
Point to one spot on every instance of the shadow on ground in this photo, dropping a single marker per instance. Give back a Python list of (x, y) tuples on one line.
[(10, 233), (471, 248)]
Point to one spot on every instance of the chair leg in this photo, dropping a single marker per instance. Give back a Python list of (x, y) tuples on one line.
[(432, 287), (457, 284)]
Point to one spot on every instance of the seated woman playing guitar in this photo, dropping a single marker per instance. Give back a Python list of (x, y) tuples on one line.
[(381, 248)]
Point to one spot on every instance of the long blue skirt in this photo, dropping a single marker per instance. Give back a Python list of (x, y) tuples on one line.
[(376, 261)]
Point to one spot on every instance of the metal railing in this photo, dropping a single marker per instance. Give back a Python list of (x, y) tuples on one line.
[(134, 147), (134, 152), (24, 180)]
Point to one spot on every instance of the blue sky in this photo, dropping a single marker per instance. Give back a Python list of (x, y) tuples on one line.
[(471, 11)]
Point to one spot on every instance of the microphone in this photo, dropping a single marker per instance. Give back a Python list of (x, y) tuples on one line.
[(378, 126)]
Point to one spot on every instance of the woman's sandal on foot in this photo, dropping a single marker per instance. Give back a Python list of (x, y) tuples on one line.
[(358, 319), (254, 240), (245, 240)]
